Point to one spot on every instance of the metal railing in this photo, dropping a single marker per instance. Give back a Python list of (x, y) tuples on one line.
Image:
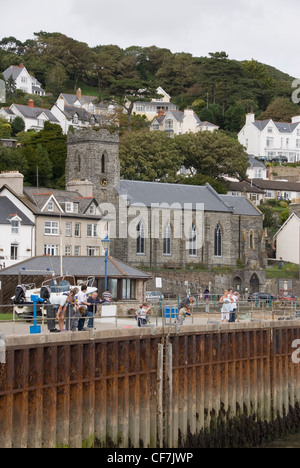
[(164, 313)]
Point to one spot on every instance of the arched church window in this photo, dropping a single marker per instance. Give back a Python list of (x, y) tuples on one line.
[(193, 241), (218, 241), (140, 240), (167, 239), (103, 163)]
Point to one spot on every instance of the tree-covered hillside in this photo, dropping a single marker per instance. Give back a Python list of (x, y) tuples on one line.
[(216, 87)]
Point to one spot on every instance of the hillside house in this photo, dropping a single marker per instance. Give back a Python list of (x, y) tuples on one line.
[(155, 106), (270, 139), (23, 80), (177, 123), (34, 117)]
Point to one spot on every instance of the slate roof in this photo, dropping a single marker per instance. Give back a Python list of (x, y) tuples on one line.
[(283, 127), (34, 112), (276, 185), (244, 186), (8, 210), (254, 162), (39, 196), (240, 205), (72, 98), (13, 71), (149, 193), (76, 266)]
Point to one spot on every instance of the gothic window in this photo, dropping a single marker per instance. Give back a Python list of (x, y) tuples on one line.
[(218, 241), (251, 240), (140, 240), (103, 162), (193, 241), (167, 239)]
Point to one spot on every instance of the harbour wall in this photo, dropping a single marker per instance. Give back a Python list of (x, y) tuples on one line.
[(214, 385)]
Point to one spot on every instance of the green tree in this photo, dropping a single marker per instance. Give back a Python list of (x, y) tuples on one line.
[(149, 156), (39, 166), (12, 159), (213, 154), (17, 126), (280, 110), (5, 128)]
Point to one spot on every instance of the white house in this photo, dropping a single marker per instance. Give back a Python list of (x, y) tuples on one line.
[(287, 240), (155, 106), (23, 80), (268, 138), (80, 111), (17, 225), (34, 117), (175, 122), (256, 169)]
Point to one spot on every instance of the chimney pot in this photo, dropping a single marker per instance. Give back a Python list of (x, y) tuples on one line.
[(30, 103)]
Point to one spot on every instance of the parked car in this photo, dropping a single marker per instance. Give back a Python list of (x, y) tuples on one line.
[(280, 159), (154, 296), (262, 296)]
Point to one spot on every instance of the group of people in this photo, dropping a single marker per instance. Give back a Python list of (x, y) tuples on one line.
[(229, 302), (73, 308)]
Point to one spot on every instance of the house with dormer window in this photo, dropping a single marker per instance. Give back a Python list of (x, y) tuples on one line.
[(64, 222), (23, 80), (79, 111), (34, 117), (271, 139), (175, 122)]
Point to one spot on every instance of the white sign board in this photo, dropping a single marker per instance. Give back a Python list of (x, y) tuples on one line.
[(109, 311), (158, 282)]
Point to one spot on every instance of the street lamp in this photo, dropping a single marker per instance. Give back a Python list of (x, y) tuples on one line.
[(105, 245)]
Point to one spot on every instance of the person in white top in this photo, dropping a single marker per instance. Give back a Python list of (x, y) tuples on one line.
[(56, 309)]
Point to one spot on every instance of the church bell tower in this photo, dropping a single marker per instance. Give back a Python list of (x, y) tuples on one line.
[(94, 155)]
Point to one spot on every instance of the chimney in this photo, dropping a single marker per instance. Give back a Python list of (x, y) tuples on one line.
[(270, 173), (61, 103), (30, 103), (85, 188), (78, 94), (160, 112), (13, 180), (250, 118)]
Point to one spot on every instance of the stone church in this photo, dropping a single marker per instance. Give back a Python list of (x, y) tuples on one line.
[(165, 225)]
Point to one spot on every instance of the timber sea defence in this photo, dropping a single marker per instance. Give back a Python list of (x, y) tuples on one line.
[(210, 385)]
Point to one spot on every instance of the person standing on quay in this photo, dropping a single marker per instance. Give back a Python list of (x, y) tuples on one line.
[(226, 302)]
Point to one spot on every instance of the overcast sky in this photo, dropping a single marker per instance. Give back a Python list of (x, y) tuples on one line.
[(266, 30)]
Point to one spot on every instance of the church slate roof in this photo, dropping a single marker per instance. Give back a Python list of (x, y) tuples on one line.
[(148, 193)]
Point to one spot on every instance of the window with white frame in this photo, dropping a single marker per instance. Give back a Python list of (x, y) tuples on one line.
[(51, 249), (68, 229), (14, 252), (69, 207), (92, 251), (51, 206), (67, 250), (15, 226), (77, 229), (91, 230), (51, 228), (77, 250)]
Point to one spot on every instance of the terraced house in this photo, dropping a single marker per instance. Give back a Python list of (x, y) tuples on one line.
[(62, 222)]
